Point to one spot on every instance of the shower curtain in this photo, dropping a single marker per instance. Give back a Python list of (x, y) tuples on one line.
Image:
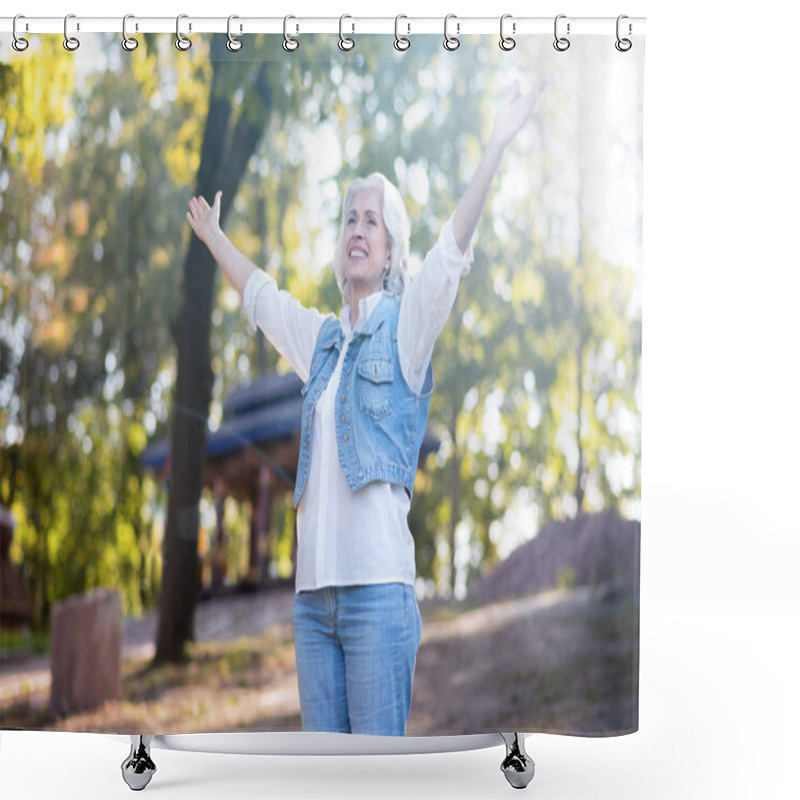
[(152, 436)]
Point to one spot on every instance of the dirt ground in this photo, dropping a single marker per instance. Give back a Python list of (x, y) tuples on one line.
[(558, 661)]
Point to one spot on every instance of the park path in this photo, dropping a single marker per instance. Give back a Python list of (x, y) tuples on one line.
[(565, 656), (228, 619)]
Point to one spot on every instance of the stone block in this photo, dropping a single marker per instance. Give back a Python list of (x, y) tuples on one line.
[(86, 648)]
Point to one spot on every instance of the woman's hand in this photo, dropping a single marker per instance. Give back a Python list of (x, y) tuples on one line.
[(513, 112), (203, 218), (511, 116)]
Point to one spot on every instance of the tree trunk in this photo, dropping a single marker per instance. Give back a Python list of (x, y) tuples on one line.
[(223, 159)]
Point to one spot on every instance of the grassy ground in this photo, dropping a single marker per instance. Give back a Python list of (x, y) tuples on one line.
[(560, 662)]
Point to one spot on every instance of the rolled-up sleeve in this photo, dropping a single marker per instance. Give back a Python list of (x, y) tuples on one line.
[(290, 328), (427, 303)]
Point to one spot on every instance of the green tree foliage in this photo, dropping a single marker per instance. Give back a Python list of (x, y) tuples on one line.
[(85, 326), (34, 95)]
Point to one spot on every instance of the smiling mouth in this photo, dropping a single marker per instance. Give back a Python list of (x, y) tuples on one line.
[(357, 252)]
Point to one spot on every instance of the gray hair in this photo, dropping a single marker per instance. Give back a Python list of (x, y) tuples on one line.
[(395, 218)]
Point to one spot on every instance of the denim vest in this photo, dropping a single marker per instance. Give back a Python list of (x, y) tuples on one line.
[(380, 422)]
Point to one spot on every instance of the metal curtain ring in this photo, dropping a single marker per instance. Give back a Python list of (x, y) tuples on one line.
[(345, 42), (233, 44), (70, 42), (19, 43), (400, 42), (182, 42), (128, 42), (451, 42), (561, 43), (289, 44), (623, 45), (506, 42)]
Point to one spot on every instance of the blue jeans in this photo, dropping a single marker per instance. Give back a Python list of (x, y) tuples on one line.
[(356, 647)]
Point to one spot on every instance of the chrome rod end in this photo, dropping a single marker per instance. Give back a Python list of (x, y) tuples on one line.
[(518, 766), (138, 768)]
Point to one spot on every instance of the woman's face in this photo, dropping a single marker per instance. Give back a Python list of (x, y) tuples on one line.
[(365, 243)]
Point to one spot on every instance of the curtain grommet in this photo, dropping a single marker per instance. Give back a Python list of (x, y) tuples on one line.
[(182, 43), (290, 44), (451, 42), (129, 43), (345, 42), (507, 43), (71, 43), (19, 43), (561, 43), (401, 43), (233, 44)]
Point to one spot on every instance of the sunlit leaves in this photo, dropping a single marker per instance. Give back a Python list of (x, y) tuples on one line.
[(34, 95)]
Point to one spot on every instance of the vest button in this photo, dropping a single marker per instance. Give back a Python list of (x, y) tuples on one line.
[(345, 437), (342, 418), (343, 398)]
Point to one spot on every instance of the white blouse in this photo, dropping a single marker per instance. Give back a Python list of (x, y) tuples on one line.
[(348, 538)]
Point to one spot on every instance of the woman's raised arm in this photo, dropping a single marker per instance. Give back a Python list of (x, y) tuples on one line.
[(509, 119), (290, 328), (204, 220)]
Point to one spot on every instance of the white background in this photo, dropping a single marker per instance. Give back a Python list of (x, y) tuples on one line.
[(720, 695)]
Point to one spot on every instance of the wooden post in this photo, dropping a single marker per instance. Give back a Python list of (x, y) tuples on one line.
[(265, 496), (261, 506), (218, 555), (252, 572)]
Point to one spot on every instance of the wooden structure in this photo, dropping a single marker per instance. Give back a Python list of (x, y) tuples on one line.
[(252, 457), (16, 609)]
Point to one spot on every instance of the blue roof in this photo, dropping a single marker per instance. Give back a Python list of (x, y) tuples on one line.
[(276, 421), (264, 411), (270, 388)]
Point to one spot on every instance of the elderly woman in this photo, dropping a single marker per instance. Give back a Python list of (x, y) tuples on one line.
[(368, 383)]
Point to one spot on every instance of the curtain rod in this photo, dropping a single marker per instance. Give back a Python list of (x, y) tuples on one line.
[(294, 25)]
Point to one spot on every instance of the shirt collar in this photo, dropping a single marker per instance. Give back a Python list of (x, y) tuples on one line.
[(365, 308)]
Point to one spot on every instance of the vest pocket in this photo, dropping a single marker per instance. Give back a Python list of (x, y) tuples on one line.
[(375, 387)]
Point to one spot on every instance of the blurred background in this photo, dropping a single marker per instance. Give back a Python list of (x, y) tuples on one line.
[(527, 496)]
